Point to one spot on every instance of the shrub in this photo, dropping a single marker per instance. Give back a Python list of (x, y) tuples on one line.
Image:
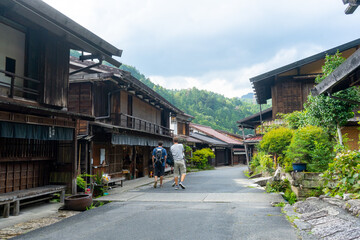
[(255, 161), (201, 157), (290, 196), (276, 141), (277, 186), (295, 120), (345, 172), (311, 145)]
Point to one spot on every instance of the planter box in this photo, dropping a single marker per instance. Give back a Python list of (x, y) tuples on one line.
[(299, 167)]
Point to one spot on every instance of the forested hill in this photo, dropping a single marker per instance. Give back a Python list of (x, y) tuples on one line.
[(208, 108)]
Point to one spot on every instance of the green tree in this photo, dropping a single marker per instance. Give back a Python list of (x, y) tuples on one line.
[(329, 112), (311, 145), (276, 142)]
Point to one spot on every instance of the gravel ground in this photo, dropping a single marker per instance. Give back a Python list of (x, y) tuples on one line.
[(24, 227)]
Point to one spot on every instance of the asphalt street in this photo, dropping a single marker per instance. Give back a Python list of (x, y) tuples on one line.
[(216, 204)]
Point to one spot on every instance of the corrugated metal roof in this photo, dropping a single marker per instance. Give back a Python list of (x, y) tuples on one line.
[(213, 133), (191, 139), (208, 140)]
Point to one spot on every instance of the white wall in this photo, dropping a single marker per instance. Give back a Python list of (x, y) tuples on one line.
[(12, 45)]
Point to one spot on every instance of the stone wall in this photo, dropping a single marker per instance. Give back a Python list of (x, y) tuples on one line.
[(305, 184)]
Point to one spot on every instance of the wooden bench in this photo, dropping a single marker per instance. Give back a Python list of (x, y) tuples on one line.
[(115, 180), (16, 197)]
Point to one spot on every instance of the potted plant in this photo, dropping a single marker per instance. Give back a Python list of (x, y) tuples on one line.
[(298, 165)]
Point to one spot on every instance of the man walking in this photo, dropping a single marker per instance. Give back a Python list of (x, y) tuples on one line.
[(158, 160), (177, 151)]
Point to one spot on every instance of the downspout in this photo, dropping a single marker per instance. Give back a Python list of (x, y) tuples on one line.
[(109, 106)]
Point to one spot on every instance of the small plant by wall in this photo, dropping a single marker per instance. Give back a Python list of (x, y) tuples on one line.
[(201, 157), (343, 175)]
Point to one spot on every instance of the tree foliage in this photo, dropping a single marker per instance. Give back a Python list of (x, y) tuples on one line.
[(276, 141), (329, 112), (311, 145)]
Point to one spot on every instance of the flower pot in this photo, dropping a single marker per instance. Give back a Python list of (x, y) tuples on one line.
[(78, 202), (98, 191), (299, 167)]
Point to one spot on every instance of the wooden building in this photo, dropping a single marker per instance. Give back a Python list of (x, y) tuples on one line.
[(345, 76), (38, 142), (130, 120), (228, 153), (289, 86), (217, 146)]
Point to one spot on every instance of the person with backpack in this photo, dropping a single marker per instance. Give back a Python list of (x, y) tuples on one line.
[(159, 159), (177, 151)]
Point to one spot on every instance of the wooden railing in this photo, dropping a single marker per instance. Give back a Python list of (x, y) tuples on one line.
[(127, 121), (23, 91)]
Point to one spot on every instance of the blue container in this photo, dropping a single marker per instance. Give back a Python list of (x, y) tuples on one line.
[(299, 167)]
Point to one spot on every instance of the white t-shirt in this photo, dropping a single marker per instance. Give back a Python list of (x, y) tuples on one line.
[(177, 151)]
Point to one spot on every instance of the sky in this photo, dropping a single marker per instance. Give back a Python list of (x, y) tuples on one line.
[(215, 45)]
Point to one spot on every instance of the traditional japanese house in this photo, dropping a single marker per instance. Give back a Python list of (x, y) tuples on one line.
[(239, 152), (38, 142), (216, 145), (130, 120), (224, 155), (345, 76), (253, 122), (289, 86)]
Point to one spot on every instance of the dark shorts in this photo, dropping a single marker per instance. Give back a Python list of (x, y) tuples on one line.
[(159, 170)]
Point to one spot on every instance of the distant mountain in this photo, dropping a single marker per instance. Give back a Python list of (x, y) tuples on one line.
[(208, 108), (248, 96)]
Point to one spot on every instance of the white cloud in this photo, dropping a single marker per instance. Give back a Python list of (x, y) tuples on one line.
[(211, 44), (235, 83)]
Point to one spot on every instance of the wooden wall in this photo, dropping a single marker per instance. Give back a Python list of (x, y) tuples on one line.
[(352, 133), (16, 176), (141, 109), (80, 101), (289, 95)]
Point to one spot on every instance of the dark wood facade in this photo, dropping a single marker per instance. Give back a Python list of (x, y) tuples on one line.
[(130, 120), (38, 144), (289, 86)]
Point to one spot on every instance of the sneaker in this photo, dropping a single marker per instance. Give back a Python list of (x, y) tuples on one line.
[(173, 185), (155, 183), (176, 187), (181, 185)]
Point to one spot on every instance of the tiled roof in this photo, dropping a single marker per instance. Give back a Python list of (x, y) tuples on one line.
[(254, 139)]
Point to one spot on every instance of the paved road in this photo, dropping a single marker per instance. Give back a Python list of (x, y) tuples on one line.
[(215, 205)]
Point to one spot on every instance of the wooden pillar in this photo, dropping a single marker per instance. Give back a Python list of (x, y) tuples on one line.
[(62, 196), (75, 154), (16, 208), (134, 160), (232, 156), (6, 212)]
